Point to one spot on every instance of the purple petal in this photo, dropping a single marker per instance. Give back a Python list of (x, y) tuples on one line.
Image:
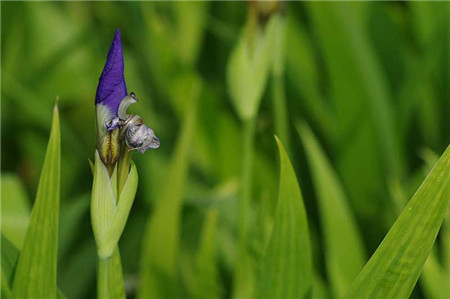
[(111, 86)]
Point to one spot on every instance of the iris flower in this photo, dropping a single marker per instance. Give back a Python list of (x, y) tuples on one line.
[(115, 175), (112, 101)]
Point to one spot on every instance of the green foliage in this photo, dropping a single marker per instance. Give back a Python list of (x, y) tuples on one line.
[(286, 266), (160, 245), (208, 284), (249, 66), (215, 81), (15, 209), (395, 267), (345, 255), (35, 276)]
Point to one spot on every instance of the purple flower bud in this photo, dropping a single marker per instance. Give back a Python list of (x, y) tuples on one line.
[(111, 86), (114, 125)]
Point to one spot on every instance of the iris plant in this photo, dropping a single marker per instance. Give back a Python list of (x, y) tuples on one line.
[(118, 134)]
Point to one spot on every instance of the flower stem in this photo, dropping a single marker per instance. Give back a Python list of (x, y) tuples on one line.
[(102, 282), (246, 178), (110, 270), (242, 279)]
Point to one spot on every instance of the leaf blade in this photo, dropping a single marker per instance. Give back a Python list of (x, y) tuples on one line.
[(394, 268), (345, 255), (36, 270), (286, 265)]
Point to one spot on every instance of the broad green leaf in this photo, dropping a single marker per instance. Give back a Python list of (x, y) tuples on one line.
[(248, 68), (161, 238), (344, 252), (433, 279), (286, 270), (395, 266), (15, 209), (36, 270), (9, 257)]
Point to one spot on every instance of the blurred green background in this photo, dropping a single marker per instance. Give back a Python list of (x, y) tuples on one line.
[(370, 79)]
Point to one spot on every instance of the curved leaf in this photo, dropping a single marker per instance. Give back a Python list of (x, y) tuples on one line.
[(286, 266), (394, 268), (344, 253)]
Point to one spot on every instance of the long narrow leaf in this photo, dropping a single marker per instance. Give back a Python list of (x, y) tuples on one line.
[(344, 253), (396, 265), (160, 246), (36, 270), (286, 265)]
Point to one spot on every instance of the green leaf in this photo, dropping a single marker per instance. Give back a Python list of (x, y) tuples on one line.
[(286, 270), (207, 273), (395, 267), (303, 75), (103, 202), (161, 238), (15, 209), (248, 69), (344, 255), (9, 257), (36, 270), (121, 212)]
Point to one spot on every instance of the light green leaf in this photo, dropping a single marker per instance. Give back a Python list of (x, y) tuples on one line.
[(36, 270), (344, 253), (161, 238), (121, 212), (9, 257), (15, 209), (286, 270), (103, 201), (395, 267), (248, 69)]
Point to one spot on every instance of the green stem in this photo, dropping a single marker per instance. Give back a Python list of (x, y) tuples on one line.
[(246, 178), (102, 282), (110, 270), (242, 276)]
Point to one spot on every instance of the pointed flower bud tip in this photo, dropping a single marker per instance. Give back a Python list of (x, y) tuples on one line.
[(111, 86)]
